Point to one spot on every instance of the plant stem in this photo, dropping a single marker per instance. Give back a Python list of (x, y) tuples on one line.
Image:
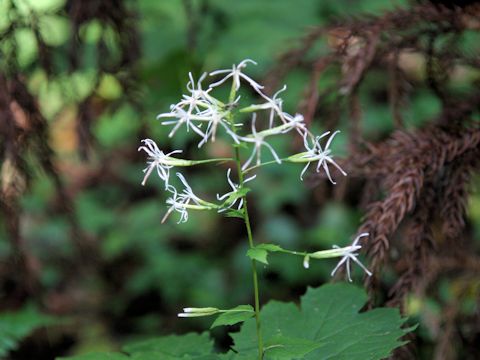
[(250, 236), (254, 263)]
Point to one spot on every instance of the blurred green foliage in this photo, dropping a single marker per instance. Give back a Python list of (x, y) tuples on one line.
[(148, 271), (16, 325)]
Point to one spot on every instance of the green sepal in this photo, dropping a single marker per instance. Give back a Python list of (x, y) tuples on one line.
[(241, 145), (240, 193), (235, 213), (299, 158)]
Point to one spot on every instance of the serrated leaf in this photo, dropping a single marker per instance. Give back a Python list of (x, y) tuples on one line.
[(329, 316), (286, 348), (237, 314), (258, 254)]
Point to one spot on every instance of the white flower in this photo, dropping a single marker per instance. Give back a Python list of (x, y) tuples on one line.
[(196, 89), (158, 160), (192, 107), (198, 100), (216, 117), (236, 73), (182, 202), (235, 188), (316, 153), (274, 104), (258, 139), (296, 122), (350, 254), (182, 117)]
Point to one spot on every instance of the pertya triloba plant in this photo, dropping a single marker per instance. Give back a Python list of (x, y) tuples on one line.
[(208, 117)]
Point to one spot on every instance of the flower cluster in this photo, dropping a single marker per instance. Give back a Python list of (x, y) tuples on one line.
[(208, 118)]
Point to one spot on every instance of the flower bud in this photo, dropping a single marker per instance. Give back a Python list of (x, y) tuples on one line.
[(197, 312)]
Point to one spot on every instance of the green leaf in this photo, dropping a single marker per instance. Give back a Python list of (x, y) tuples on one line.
[(109, 87), (190, 344), (55, 30), (98, 356), (234, 316), (14, 326), (258, 254), (46, 6), (236, 214), (91, 32), (241, 192), (287, 348), (329, 317), (269, 247), (27, 48)]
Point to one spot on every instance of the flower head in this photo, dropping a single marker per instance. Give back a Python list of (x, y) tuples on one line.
[(316, 153), (274, 104), (258, 139), (198, 99), (216, 117), (193, 107), (184, 201), (196, 90), (236, 74), (351, 254), (296, 122), (158, 160), (182, 117)]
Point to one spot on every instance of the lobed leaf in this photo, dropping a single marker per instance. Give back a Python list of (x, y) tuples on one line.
[(329, 317)]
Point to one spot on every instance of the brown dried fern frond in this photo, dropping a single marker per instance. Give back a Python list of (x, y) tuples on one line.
[(416, 181)]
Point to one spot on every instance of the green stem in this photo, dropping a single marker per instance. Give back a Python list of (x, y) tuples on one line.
[(247, 170), (198, 162), (249, 234), (254, 263)]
